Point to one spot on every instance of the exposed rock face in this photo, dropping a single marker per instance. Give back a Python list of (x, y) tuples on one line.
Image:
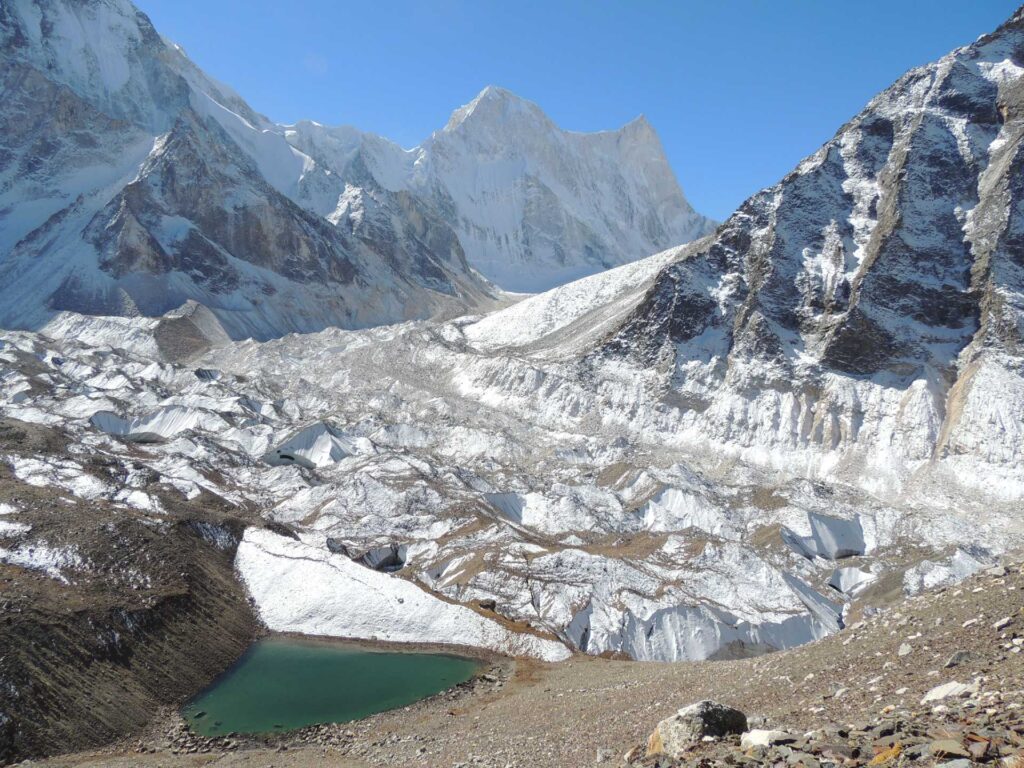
[(131, 183), (188, 332), (108, 614), (872, 299)]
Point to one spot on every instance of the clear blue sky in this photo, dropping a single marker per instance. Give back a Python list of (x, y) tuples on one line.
[(738, 90)]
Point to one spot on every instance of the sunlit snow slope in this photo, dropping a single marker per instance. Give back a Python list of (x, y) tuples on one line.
[(534, 206)]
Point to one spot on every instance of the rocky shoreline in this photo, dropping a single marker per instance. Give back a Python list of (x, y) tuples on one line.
[(172, 735)]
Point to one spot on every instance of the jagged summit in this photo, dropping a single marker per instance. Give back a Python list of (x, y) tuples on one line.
[(496, 103), (542, 205), (638, 124), (534, 206)]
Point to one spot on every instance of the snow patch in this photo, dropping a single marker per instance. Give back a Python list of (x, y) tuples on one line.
[(300, 588)]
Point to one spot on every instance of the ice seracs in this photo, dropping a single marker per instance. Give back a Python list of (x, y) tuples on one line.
[(601, 535), (315, 446), (850, 580), (831, 538), (159, 425)]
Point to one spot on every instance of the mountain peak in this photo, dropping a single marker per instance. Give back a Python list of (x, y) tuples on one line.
[(522, 203), (638, 126), (494, 92), (494, 103)]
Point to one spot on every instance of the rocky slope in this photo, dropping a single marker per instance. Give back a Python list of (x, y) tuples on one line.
[(106, 614), (132, 183)]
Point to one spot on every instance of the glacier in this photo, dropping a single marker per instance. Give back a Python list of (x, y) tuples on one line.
[(726, 448)]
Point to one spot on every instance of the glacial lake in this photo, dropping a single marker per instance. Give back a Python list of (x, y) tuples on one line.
[(284, 683)]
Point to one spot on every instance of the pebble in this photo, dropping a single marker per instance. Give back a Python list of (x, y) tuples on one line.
[(959, 657)]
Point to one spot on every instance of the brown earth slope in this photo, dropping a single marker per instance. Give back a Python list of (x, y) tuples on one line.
[(143, 610)]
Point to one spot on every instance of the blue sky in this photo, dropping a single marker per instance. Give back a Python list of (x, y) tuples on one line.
[(738, 90)]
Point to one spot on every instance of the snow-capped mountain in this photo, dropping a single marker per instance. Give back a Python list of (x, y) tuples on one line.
[(537, 206), (132, 183), (534, 206)]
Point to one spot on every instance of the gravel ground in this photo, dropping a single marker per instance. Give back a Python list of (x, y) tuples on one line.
[(591, 711)]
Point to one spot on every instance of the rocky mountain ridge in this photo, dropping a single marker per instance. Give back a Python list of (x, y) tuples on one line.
[(862, 317)]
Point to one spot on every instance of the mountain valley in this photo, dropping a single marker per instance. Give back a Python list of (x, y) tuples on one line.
[(263, 378)]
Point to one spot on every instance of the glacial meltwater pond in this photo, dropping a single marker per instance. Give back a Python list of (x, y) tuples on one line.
[(286, 683)]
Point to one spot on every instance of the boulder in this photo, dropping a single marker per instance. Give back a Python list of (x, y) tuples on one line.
[(674, 735), (765, 738), (948, 748), (338, 547), (958, 658), (947, 690)]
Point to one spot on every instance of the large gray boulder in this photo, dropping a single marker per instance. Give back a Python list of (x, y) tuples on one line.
[(675, 734)]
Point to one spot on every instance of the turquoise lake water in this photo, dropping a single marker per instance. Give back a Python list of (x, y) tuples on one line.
[(285, 683)]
